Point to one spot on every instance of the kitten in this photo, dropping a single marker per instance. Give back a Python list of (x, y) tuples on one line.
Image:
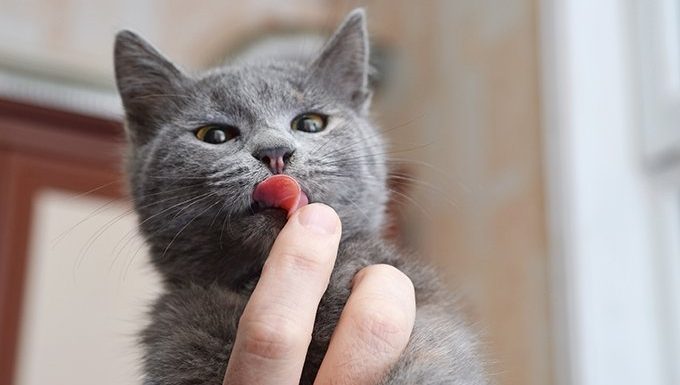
[(195, 156)]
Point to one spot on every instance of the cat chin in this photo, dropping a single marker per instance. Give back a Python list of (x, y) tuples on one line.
[(257, 231), (269, 218)]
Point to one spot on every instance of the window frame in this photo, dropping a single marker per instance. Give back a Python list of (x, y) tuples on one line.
[(613, 198), (657, 29)]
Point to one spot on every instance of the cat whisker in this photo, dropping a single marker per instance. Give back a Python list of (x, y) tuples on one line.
[(397, 196), (224, 222), (156, 96), (414, 202), (94, 237), (212, 222), (376, 155), (227, 223), (185, 226), (179, 212), (363, 139), (93, 190), (417, 183), (95, 212), (123, 274), (400, 196), (364, 156), (118, 218), (402, 125), (360, 210), (175, 177), (345, 148), (131, 261), (192, 200), (132, 232), (405, 161), (109, 203)]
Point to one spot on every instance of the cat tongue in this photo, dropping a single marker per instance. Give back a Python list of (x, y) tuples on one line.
[(280, 191)]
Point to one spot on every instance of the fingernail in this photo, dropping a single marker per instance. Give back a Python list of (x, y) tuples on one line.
[(318, 218)]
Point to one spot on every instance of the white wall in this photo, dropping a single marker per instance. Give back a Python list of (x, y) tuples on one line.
[(83, 307)]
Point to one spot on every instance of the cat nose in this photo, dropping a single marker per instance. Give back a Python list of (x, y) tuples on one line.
[(274, 158)]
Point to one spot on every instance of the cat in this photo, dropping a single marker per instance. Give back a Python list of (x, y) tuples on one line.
[(193, 161)]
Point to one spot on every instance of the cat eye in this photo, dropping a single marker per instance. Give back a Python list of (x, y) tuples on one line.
[(215, 134), (309, 122)]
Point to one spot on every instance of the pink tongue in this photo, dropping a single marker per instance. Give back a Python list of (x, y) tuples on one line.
[(280, 191)]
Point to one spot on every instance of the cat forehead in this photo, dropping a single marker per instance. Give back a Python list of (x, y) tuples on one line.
[(254, 86), (255, 79)]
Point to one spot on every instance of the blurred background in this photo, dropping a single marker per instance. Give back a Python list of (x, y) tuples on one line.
[(536, 154)]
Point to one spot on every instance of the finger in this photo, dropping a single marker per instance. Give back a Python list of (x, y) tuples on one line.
[(276, 326), (373, 330)]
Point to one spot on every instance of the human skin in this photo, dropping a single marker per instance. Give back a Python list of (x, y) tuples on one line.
[(276, 326)]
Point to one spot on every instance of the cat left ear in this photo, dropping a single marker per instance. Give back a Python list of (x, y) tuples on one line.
[(342, 66), (148, 84)]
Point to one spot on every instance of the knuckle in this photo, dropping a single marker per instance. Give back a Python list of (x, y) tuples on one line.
[(272, 339), (300, 261), (383, 328), (383, 312), (388, 275)]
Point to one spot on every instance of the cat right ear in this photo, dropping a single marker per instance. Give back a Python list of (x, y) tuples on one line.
[(343, 65), (148, 83)]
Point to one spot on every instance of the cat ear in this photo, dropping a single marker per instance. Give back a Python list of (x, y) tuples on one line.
[(149, 85), (342, 66)]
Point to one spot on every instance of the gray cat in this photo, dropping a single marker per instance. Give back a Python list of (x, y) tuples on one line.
[(197, 147)]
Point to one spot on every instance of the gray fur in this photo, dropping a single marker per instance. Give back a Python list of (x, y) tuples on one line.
[(194, 203)]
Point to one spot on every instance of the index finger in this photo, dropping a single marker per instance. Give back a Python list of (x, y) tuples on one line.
[(276, 326)]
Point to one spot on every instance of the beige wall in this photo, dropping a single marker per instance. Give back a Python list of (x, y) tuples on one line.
[(462, 110), (470, 95)]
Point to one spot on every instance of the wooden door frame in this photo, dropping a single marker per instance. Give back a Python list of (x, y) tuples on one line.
[(44, 148)]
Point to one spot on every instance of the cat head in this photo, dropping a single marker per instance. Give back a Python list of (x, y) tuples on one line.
[(199, 144)]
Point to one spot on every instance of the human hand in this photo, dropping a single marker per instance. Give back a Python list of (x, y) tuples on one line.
[(276, 326)]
